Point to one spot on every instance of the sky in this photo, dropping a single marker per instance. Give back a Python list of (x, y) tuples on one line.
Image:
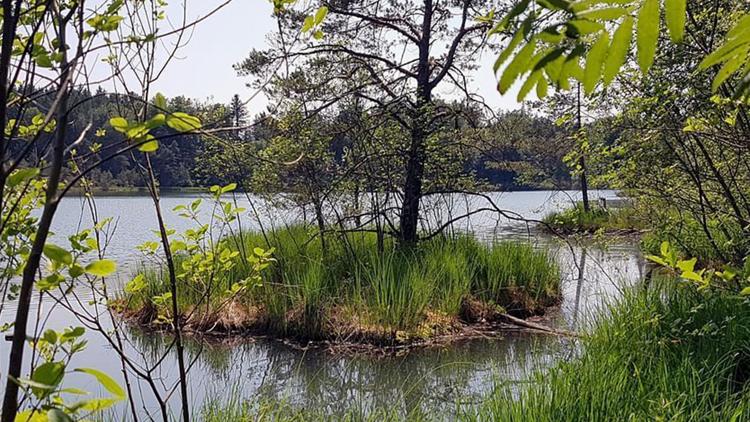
[(203, 69)]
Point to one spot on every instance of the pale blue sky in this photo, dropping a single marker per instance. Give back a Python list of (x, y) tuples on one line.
[(204, 67)]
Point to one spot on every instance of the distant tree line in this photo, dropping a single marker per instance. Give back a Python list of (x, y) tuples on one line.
[(516, 150)]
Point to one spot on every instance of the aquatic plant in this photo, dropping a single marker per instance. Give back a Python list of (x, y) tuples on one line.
[(353, 289)]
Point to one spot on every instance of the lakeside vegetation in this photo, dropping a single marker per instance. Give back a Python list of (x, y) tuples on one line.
[(663, 353), (370, 150), (354, 290), (597, 220)]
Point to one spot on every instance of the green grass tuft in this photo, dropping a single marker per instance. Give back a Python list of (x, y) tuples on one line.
[(313, 293)]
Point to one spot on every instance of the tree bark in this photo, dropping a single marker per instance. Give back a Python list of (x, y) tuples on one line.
[(582, 158), (416, 155)]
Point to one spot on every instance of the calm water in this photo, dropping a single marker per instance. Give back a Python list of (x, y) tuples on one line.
[(432, 380)]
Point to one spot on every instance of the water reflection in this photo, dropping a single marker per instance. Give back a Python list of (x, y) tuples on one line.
[(427, 380)]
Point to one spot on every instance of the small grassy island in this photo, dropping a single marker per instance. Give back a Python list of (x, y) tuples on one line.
[(598, 219), (353, 291)]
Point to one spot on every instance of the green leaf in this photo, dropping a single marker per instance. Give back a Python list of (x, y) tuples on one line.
[(57, 254), (43, 60), (745, 291), (648, 34), (30, 416), (97, 405), (320, 15), (21, 176), (75, 271), (657, 260), (149, 146), (57, 415), (101, 268), (664, 248), (729, 68), (105, 380), (516, 67), (687, 266), (183, 122), (527, 86), (554, 4), (675, 11), (618, 50), (541, 88), (692, 276), (606, 13), (514, 42), (519, 8), (228, 188), (119, 124), (50, 336), (308, 24), (160, 101), (584, 27), (47, 376), (156, 121), (136, 284), (594, 62)]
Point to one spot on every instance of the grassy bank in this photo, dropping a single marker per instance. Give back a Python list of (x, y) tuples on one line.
[(576, 220), (661, 355), (351, 290)]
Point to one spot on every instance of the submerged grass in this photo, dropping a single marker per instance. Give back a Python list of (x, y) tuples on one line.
[(672, 354), (355, 290)]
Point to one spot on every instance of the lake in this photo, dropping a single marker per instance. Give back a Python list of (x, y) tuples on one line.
[(431, 380)]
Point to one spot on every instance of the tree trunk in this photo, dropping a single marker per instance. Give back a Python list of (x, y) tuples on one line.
[(412, 188), (584, 184), (176, 317), (416, 155), (582, 158)]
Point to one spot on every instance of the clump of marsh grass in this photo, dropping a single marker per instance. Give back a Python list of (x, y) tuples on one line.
[(577, 220), (355, 289)]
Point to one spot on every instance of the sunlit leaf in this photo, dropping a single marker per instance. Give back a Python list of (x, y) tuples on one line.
[(674, 13), (57, 254), (101, 268), (183, 122), (618, 50), (149, 146), (594, 62), (119, 124), (105, 380), (648, 34)]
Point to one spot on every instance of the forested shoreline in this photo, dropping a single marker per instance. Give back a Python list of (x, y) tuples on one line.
[(527, 161)]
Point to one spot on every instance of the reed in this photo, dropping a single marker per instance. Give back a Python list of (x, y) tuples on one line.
[(354, 283), (662, 355)]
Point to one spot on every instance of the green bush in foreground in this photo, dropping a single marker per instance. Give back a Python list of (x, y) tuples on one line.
[(352, 287)]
